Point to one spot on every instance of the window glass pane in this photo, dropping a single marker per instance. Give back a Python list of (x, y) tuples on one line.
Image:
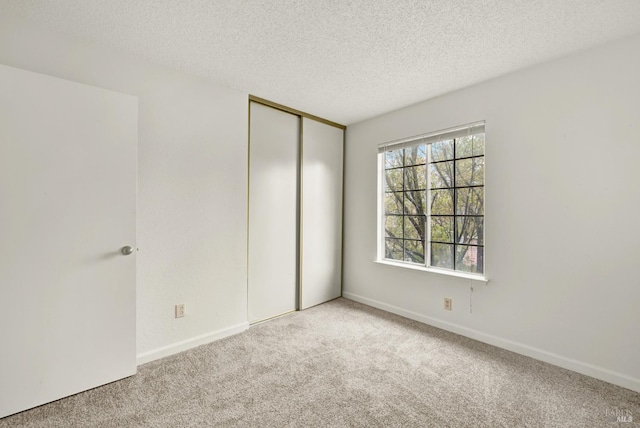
[(469, 258), (442, 202), (441, 229), (470, 172), (470, 230), (415, 178), (441, 175), (470, 201), (415, 202), (414, 251), (393, 179), (472, 145), (393, 159), (464, 147), (414, 227), (442, 255), (393, 226), (415, 155), (393, 203), (393, 249), (449, 176), (478, 144), (442, 150)]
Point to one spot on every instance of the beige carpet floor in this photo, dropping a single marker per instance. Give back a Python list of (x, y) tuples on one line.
[(343, 364)]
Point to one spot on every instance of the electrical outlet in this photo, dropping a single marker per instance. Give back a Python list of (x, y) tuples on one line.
[(447, 304), (180, 310)]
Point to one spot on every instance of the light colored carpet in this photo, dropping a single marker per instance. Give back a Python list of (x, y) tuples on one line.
[(343, 364)]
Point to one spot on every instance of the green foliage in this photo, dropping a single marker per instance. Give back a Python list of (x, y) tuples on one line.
[(442, 255), (393, 203), (441, 174), (415, 156), (414, 251), (470, 172), (472, 145), (441, 150), (442, 202), (415, 203), (437, 169), (415, 178), (442, 229), (393, 226)]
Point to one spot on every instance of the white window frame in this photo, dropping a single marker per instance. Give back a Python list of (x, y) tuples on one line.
[(429, 138)]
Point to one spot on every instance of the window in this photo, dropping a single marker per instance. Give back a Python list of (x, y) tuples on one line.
[(432, 200)]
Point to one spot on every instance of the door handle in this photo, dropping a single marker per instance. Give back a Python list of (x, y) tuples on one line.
[(126, 250)]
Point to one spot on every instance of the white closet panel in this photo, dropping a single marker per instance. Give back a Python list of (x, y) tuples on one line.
[(321, 223), (273, 202)]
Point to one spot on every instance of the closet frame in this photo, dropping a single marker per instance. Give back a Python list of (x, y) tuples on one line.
[(300, 214)]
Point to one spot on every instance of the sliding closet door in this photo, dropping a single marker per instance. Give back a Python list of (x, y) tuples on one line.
[(321, 223), (273, 201)]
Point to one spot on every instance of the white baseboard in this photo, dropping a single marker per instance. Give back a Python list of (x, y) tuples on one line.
[(519, 348), (174, 348)]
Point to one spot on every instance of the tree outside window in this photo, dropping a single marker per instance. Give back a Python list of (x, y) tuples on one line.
[(434, 204)]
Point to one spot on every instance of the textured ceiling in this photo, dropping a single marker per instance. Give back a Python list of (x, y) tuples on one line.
[(345, 60)]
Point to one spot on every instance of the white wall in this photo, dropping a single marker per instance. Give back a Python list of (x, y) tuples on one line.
[(192, 185), (562, 203)]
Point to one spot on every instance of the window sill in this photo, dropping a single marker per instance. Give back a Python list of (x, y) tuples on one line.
[(471, 276)]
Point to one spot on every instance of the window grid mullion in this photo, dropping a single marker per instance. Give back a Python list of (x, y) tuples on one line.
[(404, 195), (471, 186), (462, 158), (428, 217), (455, 211), (463, 245), (427, 243)]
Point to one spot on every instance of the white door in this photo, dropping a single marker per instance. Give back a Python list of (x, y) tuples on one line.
[(273, 205), (67, 207), (321, 216)]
